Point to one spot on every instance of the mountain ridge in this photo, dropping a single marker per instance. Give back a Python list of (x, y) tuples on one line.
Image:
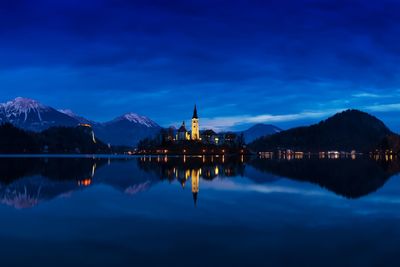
[(259, 130), (29, 114)]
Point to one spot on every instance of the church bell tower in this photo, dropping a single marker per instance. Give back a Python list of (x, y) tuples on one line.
[(195, 125)]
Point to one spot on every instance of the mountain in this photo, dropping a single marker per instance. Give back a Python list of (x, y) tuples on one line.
[(31, 115), (348, 130), (128, 129), (80, 119), (259, 130)]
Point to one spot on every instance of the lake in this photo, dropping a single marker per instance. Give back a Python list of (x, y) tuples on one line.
[(198, 211)]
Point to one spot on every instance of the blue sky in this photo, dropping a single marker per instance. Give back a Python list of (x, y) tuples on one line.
[(283, 62)]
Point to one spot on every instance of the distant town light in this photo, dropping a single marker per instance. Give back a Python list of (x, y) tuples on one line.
[(85, 182)]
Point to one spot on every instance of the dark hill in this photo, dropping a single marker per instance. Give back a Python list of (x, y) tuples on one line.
[(15, 140), (53, 140), (348, 130)]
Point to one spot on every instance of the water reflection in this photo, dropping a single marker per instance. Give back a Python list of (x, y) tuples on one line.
[(351, 178), (184, 169), (26, 182)]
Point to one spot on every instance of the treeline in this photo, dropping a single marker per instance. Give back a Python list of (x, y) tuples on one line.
[(68, 140), (231, 144)]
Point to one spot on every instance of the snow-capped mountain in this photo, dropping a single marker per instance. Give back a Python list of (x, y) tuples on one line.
[(31, 115), (75, 116), (135, 118), (127, 129)]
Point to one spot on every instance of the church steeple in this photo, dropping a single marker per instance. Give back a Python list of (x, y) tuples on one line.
[(195, 125), (195, 113)]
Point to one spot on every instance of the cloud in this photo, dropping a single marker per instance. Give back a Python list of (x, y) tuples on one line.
[(367, 95), (226, 123), (384, 107), (373, 95)]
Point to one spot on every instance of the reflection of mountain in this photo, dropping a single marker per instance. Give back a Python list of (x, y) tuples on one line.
[(346, 177), (260, 177), (126, 176), (25, 182), (30, 191)]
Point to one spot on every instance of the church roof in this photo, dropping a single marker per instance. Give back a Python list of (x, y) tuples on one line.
[(195, 113), (182, 128)]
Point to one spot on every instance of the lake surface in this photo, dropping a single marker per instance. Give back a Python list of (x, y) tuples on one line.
[(199, 211)]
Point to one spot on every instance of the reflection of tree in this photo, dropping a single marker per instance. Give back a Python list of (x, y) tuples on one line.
[(53, 168), (346, 177)]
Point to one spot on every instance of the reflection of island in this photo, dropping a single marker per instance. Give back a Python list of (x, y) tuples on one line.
[(345, 177), (193, 167), (25, 182)]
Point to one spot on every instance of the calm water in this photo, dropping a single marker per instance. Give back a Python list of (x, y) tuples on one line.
[(199, 211)]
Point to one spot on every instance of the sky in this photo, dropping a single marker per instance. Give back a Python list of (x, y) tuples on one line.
[(287, 63)]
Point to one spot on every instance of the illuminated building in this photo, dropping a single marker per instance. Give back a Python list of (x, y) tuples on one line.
[(209, 137), (195, 125), (182, 134), (85, 182)]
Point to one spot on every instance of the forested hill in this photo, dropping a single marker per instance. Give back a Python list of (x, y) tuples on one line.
[(348, 130), (78, 139)]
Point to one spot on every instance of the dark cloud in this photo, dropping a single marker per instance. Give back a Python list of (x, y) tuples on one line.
[(243, 51)]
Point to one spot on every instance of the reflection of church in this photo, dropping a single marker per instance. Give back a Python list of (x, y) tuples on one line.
[(192, 170), (183, 175), (195, 184)]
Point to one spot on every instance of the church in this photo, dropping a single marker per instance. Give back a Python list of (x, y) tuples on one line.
[(193, 141), (184, 135), (207, 136)]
